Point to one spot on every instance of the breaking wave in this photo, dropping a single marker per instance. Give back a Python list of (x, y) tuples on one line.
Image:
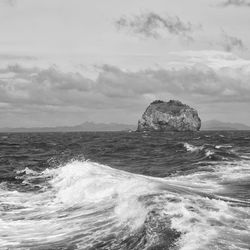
[(213, 152), (87, 205)]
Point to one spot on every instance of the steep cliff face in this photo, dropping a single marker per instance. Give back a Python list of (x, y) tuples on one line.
[(169, 116)]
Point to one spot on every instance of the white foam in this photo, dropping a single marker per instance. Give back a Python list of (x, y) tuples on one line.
[(209, 153), (88, 197), (192, 148), (27, 171), (93, 187), (223, 146)]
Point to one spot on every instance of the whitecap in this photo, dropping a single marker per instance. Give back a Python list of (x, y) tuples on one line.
[(90, 202), (192, 148)]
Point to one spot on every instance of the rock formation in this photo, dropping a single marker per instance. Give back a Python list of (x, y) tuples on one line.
[(169, 116)]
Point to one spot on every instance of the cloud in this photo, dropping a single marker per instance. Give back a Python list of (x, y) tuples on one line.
[(239, 3), (231, 43), (152, 25), (198, 82), (4, 57), (9, 2), (23, 89), (35, 86)]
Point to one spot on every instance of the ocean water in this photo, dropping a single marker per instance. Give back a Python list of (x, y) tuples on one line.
[(180, 191)]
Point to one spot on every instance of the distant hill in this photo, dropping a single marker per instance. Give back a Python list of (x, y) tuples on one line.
[(218, 125), (95, 127), (84, 127)]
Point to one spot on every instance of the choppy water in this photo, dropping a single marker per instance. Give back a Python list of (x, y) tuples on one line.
[(125, 191)]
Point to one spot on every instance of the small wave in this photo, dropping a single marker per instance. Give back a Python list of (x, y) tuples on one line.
[(206, 151), (213, 152), (197, 138), (223, 146), (209, 153), (192, 148), (27, 171)]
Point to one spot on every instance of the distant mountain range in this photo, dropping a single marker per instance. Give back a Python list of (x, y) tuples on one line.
[(95, 127), (86, 126), (218, 125)]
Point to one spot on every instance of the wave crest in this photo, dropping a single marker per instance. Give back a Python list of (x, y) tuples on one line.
[(90, 205)]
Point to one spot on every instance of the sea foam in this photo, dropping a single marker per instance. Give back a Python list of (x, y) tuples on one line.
[(87, 204)]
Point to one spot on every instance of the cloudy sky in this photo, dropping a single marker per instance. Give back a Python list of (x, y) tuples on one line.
[(64, 62)]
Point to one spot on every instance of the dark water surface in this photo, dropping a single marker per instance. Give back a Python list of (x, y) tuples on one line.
[(122, 190)]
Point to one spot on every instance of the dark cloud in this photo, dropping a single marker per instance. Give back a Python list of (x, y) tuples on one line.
[(231, 43), (51, 89), (37, 86), (154, 26), (199, 83), (49, 96), (244, 3)]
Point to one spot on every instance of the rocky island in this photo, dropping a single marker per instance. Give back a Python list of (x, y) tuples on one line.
[(169, 116)]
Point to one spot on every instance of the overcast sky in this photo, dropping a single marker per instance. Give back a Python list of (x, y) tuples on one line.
[(64, 62)]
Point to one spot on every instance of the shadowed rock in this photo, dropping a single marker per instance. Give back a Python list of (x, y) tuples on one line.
[(169, 116)]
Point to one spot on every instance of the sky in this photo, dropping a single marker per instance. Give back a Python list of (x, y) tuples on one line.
[(65, 62)]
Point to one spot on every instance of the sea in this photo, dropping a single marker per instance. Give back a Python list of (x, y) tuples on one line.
[(125, 190)]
